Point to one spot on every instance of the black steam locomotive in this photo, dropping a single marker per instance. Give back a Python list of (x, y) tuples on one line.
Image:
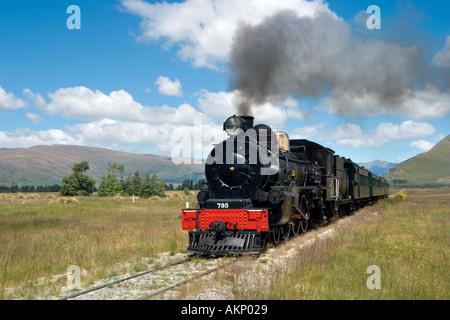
[(262, 187)]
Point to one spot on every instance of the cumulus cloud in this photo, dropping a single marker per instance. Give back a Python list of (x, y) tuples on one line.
[(110, 131), (187, 140), (168, 87), (34, 118), (351, 135), (9, 101), (203, 30), (22, 138), (422, 145), (83, 103), (442, 58), (195, 139), (37, 98), (114, 120), (221, 105)]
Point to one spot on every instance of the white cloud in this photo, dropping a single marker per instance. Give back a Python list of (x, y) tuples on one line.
[(168, 87), (116, 121), (203, 29), (188, 140), (9, 101), (22, 138), (34, 118), (113, 132), (422, 145), (442, 58), (38, 100), (83, 103), (221, 105), (428, 103), (309, 132), (406, 130), (218, 105), (351, 135)]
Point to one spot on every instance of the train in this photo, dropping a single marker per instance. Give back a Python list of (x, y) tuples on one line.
[(263, 187)]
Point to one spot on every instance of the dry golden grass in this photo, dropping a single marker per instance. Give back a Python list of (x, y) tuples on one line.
[(44, 237), (408, 239)]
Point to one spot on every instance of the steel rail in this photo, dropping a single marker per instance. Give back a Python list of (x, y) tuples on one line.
[(128, 278), (200, 275)]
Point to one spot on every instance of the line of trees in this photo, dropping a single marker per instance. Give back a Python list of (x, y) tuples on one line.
[(190, 184), (132, 185), (79, 184), (27, 189)]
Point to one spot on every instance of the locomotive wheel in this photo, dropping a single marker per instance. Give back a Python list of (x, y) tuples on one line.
[(304, 225), (276, 234), (305, 211), (286, 231), (296, 227)]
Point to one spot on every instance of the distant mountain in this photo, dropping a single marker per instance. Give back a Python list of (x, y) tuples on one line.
[(429, 167), (46, 165), (378, 167)]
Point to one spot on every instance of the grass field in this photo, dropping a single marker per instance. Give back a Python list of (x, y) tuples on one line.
[(41, 235), (407, 239)]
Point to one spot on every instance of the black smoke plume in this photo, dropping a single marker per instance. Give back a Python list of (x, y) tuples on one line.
[(306, 57)]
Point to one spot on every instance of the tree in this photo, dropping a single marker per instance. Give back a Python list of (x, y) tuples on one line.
[(147, 187), (169, 186), (133, 184), (110, 185), (161, 188), (78, 184), (150, 186)]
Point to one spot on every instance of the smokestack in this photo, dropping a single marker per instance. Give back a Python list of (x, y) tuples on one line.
[(248, 120)]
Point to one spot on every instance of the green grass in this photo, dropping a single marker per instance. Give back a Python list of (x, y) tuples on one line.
[(407, 239), (43, 237)]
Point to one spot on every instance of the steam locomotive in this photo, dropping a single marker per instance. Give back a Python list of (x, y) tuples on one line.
[(262, 186)]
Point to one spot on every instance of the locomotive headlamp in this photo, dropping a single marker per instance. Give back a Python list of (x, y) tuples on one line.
[(233, 126), (236, 124)]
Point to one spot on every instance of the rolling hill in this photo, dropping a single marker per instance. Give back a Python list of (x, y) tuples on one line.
[(46, 165), (429, 167)]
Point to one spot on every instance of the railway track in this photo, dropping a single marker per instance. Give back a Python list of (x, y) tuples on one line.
[(152, 293), (180, 282)]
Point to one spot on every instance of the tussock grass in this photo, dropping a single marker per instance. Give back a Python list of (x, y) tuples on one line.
[(46, 236), (408, 239)]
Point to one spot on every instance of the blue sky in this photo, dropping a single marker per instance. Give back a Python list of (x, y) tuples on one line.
[(150, 77)]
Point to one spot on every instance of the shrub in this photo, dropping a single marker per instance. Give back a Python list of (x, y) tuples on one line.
[(400, 196)]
